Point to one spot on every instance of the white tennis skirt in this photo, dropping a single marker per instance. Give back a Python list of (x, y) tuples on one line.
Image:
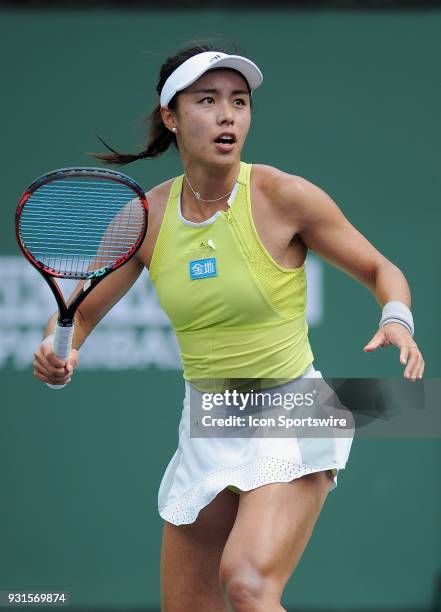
[(202, 467)]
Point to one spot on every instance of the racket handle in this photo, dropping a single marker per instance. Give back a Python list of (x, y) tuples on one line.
[(62, 346)]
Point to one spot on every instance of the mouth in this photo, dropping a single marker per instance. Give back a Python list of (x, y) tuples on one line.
[(225, 141)]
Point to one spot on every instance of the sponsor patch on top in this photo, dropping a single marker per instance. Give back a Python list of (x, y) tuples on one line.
[(202, 268)]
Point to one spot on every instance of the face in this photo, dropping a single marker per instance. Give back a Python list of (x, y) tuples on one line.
[(212, 118)]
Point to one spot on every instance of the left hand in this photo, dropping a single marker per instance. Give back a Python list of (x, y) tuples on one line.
[(397, 334)]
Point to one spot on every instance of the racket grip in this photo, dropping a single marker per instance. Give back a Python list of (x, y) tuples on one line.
[(62, 346)]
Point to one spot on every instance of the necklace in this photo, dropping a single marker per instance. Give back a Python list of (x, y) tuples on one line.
[(197, 195)]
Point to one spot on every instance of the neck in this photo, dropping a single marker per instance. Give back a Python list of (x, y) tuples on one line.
[(211, 183)]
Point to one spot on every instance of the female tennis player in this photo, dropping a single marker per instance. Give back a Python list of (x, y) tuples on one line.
[(226, 248)]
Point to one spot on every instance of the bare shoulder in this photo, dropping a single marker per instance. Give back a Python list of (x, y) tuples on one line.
[(295, 198), (156, 200), (284, 187), (157, 197)]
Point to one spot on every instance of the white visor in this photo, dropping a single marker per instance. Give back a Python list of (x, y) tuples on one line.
[(193, 68)]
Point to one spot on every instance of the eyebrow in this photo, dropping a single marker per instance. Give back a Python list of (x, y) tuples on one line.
[(235, 92)]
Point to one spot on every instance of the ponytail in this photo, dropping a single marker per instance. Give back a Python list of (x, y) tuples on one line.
[(159, 140)]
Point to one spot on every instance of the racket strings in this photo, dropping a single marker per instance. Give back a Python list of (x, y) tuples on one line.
[(75, 227)]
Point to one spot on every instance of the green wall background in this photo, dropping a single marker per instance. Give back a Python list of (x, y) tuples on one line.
[(351, 101)]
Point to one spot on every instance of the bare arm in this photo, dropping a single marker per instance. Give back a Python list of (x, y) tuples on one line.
[(324, 229), (103, 297)]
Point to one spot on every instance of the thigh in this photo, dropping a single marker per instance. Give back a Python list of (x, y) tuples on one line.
[(190, 558), (273, 525)]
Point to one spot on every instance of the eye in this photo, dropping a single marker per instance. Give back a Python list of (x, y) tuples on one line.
[(207, 98), (241, 101)]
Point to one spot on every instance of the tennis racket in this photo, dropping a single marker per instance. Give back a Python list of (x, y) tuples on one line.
[(79, 224)]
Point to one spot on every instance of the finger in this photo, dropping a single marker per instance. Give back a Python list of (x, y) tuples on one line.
[(41, 376), (409, 370), (72, 361), (413, 363), (416, 371), (43, 362), (51, 380), (421, 372), (41, 370), (38, 361), (53, 358), (58, 380), (376, 341), (47, 369), (58, 374), (404, 353), (417, 368)]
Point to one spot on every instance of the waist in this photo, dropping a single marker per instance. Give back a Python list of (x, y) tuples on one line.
[(276, 350), (275, 387)]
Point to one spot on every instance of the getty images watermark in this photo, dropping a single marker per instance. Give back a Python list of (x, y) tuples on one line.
[(263, 408), (314, 408), (248, 401)]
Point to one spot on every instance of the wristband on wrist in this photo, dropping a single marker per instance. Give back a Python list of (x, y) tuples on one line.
[(397, 312)]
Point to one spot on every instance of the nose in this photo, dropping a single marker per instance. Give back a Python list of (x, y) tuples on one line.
[(225, 114)]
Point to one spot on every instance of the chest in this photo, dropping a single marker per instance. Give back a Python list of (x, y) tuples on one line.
[(205, 278), (281, 241)]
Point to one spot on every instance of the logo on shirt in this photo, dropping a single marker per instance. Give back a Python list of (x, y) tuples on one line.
[(202, 268)]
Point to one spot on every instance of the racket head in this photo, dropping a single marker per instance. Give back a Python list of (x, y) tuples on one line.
[(81, 223)]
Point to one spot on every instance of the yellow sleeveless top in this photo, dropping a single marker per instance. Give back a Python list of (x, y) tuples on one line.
[(236, 312)]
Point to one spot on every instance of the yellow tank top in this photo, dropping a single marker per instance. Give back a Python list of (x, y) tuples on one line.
[(236, 312)]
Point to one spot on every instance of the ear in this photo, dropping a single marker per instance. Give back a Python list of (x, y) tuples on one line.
[(168, 118)]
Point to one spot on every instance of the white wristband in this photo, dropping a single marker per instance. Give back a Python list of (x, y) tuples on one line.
[(397, 312)]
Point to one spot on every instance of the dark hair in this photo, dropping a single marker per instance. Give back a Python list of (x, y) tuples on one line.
[(159, 138)]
